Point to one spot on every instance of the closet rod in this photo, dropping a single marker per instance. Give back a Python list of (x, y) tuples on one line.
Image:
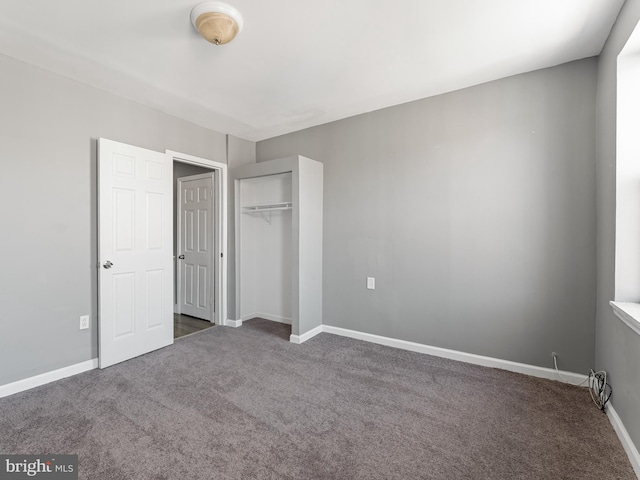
[(266, 208)]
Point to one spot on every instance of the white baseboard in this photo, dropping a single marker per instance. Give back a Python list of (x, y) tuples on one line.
[(532, 370), (233, 323), (274, 318), (267, 316), (625, 439), (298, 339), (48, 377)]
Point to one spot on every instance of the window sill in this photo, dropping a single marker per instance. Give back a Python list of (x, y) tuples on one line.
[(629, 313)]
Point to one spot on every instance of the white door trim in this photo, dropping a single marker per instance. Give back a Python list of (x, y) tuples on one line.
[(221, 226)]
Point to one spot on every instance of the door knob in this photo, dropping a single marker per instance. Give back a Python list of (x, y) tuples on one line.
[(107, 264), (181, 257)]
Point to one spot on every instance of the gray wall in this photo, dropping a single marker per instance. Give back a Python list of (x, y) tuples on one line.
[(48, 130), (239, 152), (617, 347), (474, 210)]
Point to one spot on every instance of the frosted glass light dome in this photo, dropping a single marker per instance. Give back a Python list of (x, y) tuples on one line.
[(217, 22)]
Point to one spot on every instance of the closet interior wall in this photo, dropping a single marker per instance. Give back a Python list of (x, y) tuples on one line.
[(266, 247)]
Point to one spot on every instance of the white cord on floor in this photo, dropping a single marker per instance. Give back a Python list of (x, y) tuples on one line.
[(555, 362), (597, 385)]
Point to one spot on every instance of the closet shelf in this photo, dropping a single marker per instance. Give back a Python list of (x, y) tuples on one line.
[(270, 207)]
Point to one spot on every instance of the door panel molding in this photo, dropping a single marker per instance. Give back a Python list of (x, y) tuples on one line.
[(134, 251), (196, 212)]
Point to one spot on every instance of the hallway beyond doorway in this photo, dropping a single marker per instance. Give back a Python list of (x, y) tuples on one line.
[(186, 325)]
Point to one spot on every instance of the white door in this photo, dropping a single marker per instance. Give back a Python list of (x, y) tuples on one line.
[(135, 280), (196, 246)]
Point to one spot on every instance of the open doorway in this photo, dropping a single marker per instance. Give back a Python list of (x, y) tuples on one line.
[(199, 242)]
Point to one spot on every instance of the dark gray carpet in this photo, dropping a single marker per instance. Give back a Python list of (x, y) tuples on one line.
[(245, 403)]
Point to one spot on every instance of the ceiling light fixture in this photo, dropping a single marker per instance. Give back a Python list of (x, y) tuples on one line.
[(217, 22)]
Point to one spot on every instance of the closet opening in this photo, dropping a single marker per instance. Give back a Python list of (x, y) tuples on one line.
[(265, 246), (278, 244)]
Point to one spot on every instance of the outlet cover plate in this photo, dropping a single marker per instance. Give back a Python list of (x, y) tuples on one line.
[(84, 322)]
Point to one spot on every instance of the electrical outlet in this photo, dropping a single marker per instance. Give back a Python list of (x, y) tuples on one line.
[(371, 283), (84, 322), (554, 355)]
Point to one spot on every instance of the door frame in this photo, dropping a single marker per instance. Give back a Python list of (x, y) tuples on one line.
[(220, 214)]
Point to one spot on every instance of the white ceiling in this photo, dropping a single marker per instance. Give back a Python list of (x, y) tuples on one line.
[(298, 63)]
